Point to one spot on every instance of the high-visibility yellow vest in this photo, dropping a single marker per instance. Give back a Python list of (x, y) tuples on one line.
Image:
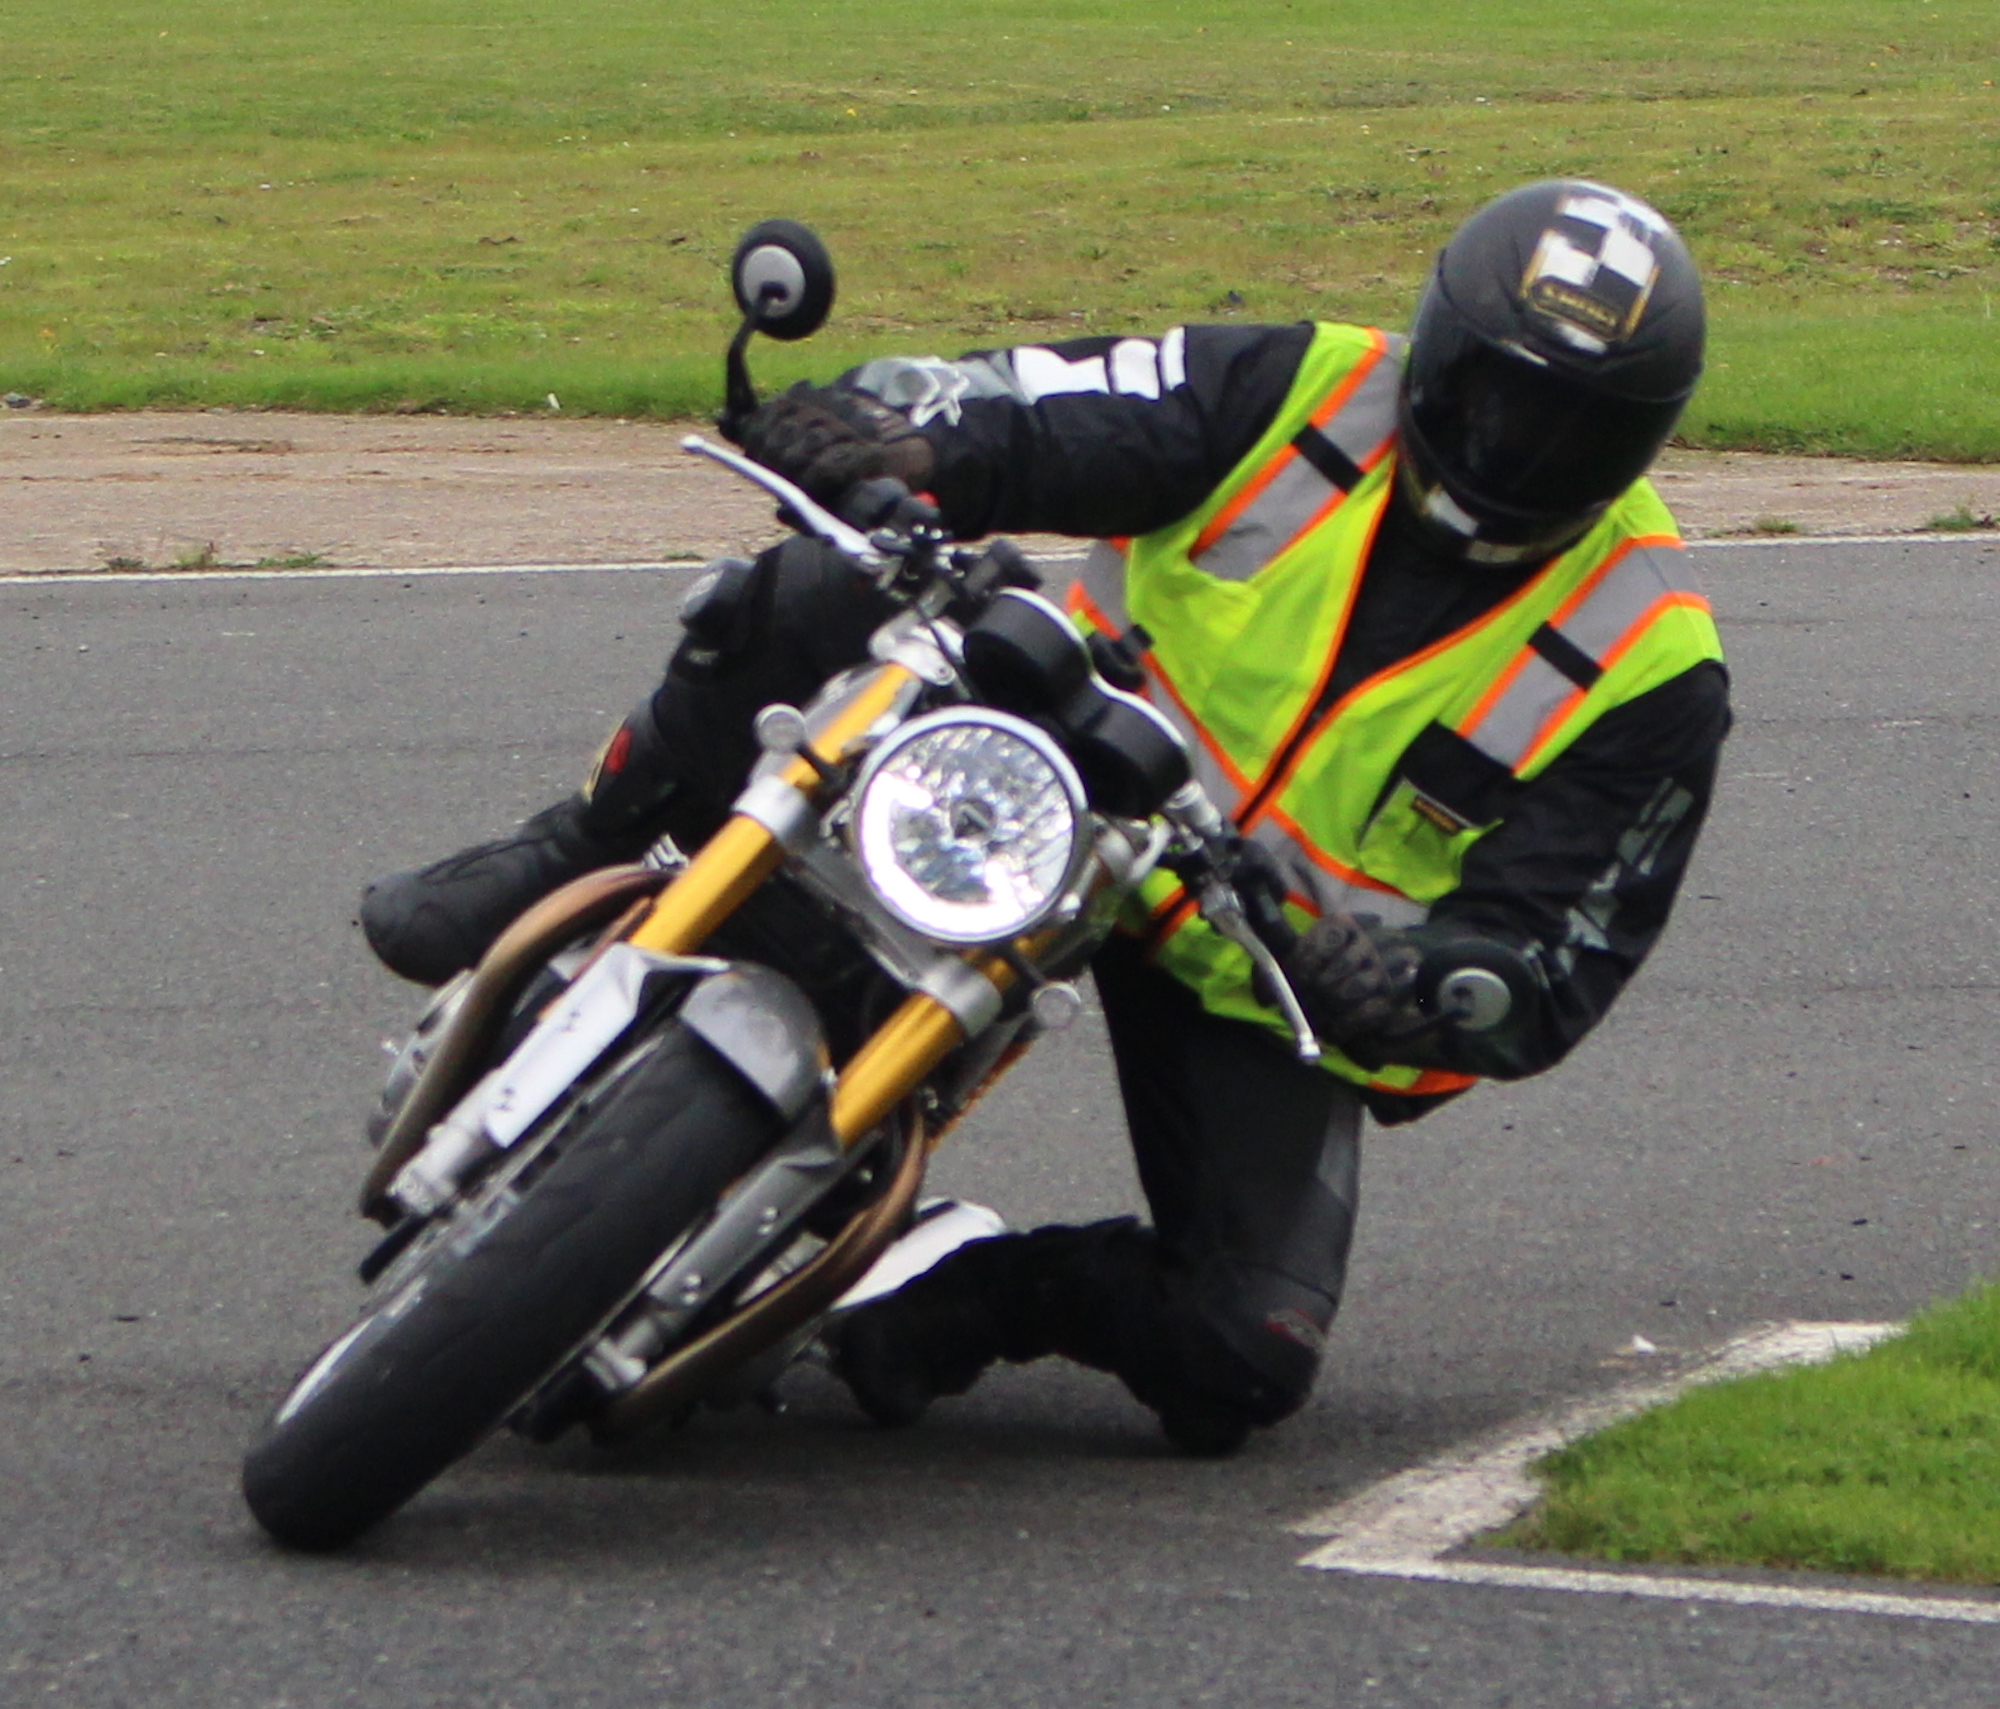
[(1370, 803)]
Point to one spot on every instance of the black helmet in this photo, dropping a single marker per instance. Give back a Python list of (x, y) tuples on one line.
[(1555, 344)]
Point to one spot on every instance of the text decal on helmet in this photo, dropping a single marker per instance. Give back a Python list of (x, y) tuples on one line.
[(1591, 275)]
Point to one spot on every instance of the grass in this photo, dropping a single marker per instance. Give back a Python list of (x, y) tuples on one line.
[(204, 558), (1887, 1462), (371, 205), (1961, 519)]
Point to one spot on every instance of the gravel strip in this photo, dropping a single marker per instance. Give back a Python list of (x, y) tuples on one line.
[(208, 489)]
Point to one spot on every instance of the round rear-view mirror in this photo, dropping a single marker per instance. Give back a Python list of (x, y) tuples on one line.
[(783, 278)]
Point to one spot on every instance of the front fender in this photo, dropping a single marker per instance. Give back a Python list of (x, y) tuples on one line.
[(763, 1026)]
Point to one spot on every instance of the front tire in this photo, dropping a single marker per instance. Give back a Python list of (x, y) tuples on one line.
[(509, 1294)]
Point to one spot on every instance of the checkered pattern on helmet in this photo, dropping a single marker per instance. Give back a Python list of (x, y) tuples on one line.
[(1594, 268)]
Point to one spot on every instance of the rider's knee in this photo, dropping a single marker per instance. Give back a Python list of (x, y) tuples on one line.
[(1260, 1342), (785, 620)]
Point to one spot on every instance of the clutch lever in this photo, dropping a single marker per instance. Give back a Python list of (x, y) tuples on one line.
[(814, 517), (1211, 840)]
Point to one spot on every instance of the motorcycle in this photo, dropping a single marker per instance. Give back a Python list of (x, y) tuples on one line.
[(624, 1166)]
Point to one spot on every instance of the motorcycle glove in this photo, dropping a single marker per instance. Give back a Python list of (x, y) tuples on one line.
[(1379, 995), (829, 441), (1260, 881), (1356, 981)]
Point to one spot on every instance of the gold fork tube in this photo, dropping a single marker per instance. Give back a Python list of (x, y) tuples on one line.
[(913, 1041), (740, 856), (731, 864), (893, 1063)]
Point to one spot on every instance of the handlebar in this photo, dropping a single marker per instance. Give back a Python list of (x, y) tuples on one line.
[(886, 504)]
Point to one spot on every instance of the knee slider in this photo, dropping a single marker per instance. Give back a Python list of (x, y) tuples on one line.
[(1266, 1337)]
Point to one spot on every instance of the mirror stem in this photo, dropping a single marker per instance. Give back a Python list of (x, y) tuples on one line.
[(739, 397)]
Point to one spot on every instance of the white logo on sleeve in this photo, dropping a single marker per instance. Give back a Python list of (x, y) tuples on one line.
[(1133, 367)]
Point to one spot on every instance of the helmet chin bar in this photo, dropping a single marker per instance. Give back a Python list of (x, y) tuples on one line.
[(1506, 557), (1458, 533)]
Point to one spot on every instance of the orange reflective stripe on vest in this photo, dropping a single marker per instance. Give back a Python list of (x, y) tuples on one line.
[(1301, 485)]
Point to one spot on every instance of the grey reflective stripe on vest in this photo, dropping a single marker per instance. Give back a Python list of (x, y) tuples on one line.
[(1329, 893), (1539, 690), (1102, 579), (1311, 474)]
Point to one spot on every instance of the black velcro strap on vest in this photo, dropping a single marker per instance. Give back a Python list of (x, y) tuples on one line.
[(1450, 774), (1328, 458), (1567, 657)]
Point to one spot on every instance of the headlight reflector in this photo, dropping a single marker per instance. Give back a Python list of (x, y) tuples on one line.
[(968, 825)]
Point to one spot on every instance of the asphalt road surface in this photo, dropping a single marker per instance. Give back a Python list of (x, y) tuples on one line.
[(1788, 1116)]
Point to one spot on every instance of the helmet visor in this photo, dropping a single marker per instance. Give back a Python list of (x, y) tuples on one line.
[(1517, 439)]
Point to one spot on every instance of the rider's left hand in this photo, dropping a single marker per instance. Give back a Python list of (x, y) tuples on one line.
[(1354, 979)]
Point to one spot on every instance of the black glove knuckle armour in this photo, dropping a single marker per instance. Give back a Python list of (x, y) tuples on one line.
[(819, 439), (825, 440), (1350, 987)]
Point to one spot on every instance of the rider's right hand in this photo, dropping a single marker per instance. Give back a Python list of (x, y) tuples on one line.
[(829, 441)]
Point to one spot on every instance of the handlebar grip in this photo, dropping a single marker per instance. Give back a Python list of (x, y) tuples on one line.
[(886, 503)]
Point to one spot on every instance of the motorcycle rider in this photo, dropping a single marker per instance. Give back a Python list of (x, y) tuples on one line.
[(1429, 633)]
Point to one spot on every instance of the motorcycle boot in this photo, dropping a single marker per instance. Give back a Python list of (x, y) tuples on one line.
[(1212, 1352), (428, 923), (899, 1354)]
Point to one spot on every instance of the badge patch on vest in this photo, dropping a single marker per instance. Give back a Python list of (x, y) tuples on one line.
[(1452, 784), (1592, 274), (1429, 807)]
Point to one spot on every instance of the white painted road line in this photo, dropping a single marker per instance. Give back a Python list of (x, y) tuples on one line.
[(119, 578), (114, 578), (1922, 537), (1432, 1508), (1665, 1589), (1404, 1526)]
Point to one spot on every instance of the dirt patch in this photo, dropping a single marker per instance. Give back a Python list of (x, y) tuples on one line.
[(80, 492), (197, 490), (1736, 492)]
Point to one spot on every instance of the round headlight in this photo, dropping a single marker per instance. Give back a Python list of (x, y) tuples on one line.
[(969, 825)]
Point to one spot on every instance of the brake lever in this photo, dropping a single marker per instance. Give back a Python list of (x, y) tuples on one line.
[(1223, 909)]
